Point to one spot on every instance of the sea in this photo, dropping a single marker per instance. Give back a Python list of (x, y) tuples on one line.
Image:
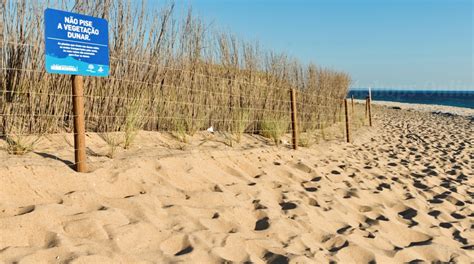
[(463, 98)]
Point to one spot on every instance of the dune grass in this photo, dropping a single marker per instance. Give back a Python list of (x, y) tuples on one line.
[(167, 74)]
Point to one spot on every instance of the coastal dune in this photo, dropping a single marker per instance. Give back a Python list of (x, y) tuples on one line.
[(401, 192)]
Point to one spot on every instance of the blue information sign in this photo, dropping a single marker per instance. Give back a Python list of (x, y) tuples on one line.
[(76, 44)]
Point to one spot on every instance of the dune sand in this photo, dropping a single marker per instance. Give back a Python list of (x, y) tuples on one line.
[(402, 191)]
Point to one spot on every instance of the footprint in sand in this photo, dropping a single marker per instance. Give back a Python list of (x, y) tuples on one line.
[(420, 185), (262, 224), (451, 172), (409, 196), (273, 258), (102, 208), (184, 251), (457, 236), (383, 186), (364, 209), (258, 206), (420, 243), (52, 240), (303, 167), (217, 188), (382, 218), (176, 245), (347, 194), (316, 179), (25, 210), (287, 206), (408, 214), (343, 230), (337, 244), (456, 201), (370, 235), (308, 187), (446, 225), (435, 201), (313, 202), (443, 195), (417, 176), (457, 216), (369, 221), (434, 213)]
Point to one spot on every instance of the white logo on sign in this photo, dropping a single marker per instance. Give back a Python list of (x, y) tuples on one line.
[(100, 69), (90, 68)]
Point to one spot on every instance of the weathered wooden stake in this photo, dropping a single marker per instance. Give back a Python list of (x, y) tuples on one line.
[(352, 102), (294, 119), (370, 112), (367, 107), (79, 123), (348, 136)]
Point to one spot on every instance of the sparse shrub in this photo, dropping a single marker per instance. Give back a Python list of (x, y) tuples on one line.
[(113, 140), (180, 132), (20, 145), (228, 139), (110, 130), (240, 122), (274, 128), (306, 139), (323, 130), (17, 137), (134, 121)]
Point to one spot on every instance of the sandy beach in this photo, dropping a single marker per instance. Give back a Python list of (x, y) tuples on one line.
[(440, 109), (401, 192)]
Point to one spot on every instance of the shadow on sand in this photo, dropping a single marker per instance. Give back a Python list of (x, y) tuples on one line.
[(53, 157)]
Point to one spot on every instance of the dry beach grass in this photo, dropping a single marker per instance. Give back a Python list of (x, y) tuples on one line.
[(169, 72), (401, 192)]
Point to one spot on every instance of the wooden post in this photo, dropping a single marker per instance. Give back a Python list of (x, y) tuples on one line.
[(370, 112), (352, 102), (367, 107), (79, 123), (294, 119), (348, 136)]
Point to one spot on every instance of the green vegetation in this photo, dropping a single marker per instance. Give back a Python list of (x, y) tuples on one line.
[(20, 145), (274, 128)]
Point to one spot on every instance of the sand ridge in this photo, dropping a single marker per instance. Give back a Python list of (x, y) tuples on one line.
[(401, 192)]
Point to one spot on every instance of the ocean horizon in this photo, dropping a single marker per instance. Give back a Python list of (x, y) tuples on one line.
[(459, 98)]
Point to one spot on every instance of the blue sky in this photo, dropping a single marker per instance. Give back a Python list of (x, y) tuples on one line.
[(382, 43)]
